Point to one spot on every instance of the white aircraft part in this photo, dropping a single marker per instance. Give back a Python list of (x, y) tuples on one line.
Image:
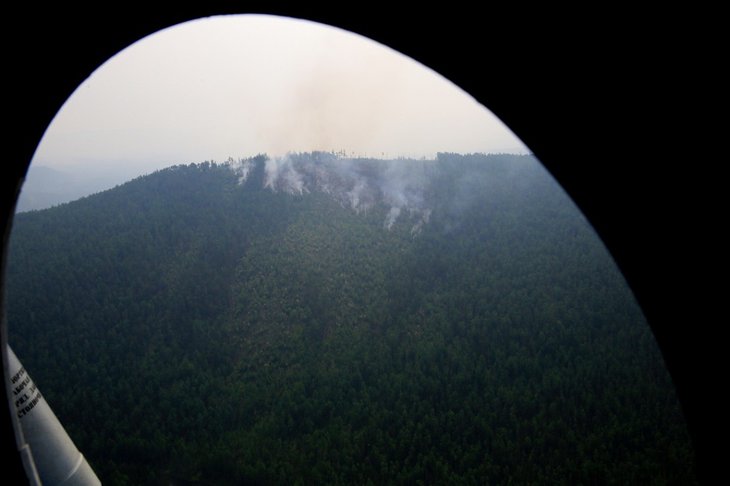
[(56, 458)]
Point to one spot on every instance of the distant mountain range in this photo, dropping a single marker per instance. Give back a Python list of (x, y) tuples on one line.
[(45, 187)]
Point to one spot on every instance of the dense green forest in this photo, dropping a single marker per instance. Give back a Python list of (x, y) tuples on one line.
[(318, 320)]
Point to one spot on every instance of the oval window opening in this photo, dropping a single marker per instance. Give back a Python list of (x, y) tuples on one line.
[(259, 249)]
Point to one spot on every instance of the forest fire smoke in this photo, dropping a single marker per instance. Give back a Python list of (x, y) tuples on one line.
[(356, 183)]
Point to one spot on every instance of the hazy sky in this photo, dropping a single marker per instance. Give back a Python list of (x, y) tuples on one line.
[(242, 85)]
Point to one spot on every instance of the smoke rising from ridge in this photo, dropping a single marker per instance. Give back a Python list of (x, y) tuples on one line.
[(358, 184), (403, 188)]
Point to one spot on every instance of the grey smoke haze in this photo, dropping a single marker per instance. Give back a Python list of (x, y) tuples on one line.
[(242, 85), (359, 184)]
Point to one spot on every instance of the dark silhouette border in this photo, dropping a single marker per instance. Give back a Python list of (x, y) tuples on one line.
[(600, 100)]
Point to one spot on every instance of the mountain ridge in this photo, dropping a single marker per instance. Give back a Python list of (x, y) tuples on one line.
[(197, 324)]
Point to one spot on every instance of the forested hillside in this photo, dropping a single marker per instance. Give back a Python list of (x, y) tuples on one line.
[(318, 320)]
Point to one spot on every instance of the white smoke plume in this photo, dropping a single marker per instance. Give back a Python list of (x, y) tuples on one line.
[(392, 217), (358, 184), (425, 217), (242, 167)]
